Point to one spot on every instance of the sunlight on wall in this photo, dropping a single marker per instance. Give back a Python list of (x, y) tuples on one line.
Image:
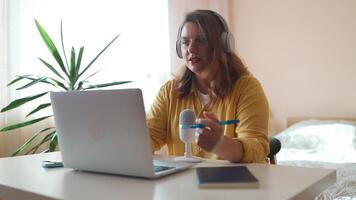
[(140, 54)]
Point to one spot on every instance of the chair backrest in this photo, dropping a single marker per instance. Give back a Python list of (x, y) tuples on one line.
[(274, 148)]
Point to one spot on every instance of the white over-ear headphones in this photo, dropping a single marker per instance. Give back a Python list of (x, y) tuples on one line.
[(227, 39)]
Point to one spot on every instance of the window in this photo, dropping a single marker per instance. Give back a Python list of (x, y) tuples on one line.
[(140, 54)]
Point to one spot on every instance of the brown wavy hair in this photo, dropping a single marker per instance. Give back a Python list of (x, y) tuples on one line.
[(230, 67)]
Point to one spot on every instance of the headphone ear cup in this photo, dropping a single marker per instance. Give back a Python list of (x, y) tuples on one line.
[(179, 49), (227, 42)]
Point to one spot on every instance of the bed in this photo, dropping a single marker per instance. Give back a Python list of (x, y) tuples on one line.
[(323, 143)]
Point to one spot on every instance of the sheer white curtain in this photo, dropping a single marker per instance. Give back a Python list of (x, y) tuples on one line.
[(6, 140), (3, 68), (140, 54)]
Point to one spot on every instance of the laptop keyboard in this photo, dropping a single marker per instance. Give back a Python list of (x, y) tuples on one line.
[(159, 168)]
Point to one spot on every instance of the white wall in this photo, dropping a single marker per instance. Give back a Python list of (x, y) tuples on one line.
[(303, 52)]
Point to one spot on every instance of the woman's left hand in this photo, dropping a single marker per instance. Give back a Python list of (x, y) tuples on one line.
[(208, 138)]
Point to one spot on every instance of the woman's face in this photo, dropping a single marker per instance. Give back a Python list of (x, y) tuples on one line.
[(195, 49)]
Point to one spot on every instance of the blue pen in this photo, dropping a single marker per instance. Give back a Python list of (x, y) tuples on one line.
[(221, 123)]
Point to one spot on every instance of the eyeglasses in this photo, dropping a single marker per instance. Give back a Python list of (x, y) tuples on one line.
[(199, 41)]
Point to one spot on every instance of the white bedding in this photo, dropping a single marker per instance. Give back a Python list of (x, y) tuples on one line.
[(323, 144), (343, 189)]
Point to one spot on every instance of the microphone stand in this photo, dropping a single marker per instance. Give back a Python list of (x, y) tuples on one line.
[(187, 149), (189, 133)]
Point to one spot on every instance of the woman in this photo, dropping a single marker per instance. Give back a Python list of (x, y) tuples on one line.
[(216, 85)]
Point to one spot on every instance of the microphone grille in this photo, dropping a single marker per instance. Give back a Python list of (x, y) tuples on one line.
[(187, 116)]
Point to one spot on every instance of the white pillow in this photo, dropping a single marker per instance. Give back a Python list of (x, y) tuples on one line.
[(319, 140), (320, 135)]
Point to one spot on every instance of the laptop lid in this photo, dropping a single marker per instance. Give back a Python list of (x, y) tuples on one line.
[(104, 131)]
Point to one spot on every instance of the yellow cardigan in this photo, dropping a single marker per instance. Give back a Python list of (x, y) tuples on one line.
[(246, 101)]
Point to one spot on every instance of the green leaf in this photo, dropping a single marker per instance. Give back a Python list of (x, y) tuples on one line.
[(59, 84), (33, 77), (42, 81), (62, 41), (92, 74), (44, 140), (106, 84), (34, 136), (72, 70), (80, 85), (29, 77), (23, 124), (18, 79), (52, 48), (97, 56), (51, 68), (21, 101), (33, 82), (79, 61), (53, 144), (40, 107)]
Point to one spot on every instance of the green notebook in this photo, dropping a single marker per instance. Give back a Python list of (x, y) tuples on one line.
[(226, 177)]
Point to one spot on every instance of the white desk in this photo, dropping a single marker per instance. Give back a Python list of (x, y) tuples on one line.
[(23, 178)]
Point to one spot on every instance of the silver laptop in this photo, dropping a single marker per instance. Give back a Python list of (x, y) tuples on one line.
[(105, 131)]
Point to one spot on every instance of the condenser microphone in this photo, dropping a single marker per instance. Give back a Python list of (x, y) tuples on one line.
[(187, 135)]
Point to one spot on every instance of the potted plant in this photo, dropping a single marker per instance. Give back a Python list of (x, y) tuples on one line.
[(67, 76)]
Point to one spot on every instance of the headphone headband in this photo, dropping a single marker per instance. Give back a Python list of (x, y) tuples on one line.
[(221, 20)]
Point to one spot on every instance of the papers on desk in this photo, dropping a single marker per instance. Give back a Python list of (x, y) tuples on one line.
[(226, 177)]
